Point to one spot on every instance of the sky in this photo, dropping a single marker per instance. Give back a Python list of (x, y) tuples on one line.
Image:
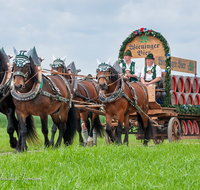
[(87, 30)]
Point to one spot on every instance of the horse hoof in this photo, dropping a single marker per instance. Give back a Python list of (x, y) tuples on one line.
[(14, 143)]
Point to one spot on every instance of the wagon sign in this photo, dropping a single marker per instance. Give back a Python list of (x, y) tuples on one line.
[(142, 45)]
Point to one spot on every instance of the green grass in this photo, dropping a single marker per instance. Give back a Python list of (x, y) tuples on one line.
[(164, 166)]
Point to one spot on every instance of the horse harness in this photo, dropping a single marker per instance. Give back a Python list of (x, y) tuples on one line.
[(117, 94), (57, 95), (77, 94)]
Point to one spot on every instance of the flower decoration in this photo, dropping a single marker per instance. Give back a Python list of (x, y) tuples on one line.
[(167, 69), (168, 56), (185, 107)]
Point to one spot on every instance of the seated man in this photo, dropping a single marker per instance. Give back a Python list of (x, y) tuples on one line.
[(150, 74), (130, 68)]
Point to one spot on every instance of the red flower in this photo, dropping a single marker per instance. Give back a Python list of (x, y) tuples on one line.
[(135, 32), (150, 30), (141, 29)]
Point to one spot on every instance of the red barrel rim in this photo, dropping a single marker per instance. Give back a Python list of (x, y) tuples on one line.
[(185, 127), (176, 97), (190, 86), (191, 127), (184, 100), (182, 84), (195, 79), (175, 85), (192, 101), (198, 99), (196, 127)]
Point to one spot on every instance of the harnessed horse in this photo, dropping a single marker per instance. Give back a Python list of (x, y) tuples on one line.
[(121, 99), (7, 106), (86, 90), (40, 95)]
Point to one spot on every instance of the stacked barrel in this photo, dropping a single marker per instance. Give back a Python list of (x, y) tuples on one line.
[(183, 89)]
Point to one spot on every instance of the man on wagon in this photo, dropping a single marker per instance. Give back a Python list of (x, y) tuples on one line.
[(129, 68), (150, 74)]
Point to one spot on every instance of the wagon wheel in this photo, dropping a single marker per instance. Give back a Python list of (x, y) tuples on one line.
[(158, 141), (174, 129)]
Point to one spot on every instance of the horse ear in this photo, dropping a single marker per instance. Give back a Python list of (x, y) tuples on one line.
[(64, 58), (98, 62), (54, 58), (108, 62), (15, 51), (29, 52)]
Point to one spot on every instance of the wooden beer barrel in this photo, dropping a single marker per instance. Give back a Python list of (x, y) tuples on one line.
[(196, 99), (194, 85), (174, 98), (184, 127), (189, 98), (181, 98), (161, 84), (174, 82), (160, 95), (181, 84), (196, 127), (190, 127), (187, 84)]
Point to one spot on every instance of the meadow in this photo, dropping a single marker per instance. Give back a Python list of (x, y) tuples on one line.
[(163, 166)]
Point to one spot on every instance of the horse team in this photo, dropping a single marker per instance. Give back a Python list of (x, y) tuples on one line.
[(24, 90)]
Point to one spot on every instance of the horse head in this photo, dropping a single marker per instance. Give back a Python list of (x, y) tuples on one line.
[(24, 67), (59, 65), (105, 74)]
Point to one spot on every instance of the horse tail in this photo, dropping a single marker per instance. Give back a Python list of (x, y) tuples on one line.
[(149, 131), (32, 135), (70, 126), (98, 127)]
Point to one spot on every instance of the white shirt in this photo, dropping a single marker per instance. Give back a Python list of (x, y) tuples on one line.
[(149, 76), (136, 72)]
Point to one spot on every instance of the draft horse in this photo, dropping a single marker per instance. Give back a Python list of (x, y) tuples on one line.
[(86, 90), (40, 95), (7, 106), (121, 99)]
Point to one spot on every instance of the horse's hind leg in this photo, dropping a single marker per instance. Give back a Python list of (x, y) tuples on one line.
[(44, 120), (126, 128)]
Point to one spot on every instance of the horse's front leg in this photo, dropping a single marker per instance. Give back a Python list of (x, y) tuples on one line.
[(108, 128), (22, 134), (12, 127), (44, 120)]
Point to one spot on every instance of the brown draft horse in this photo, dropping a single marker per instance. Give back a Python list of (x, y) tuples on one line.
[(40, 95), (121, 99), (7, 106), (86, 90)]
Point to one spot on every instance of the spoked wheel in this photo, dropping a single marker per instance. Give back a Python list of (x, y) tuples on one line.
[(158, 141), (174, 130)]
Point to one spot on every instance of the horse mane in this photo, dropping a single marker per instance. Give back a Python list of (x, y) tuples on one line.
[(114, 74), (3, 63), (33, 71)]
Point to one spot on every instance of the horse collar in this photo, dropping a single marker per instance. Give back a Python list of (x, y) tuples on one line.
[(116, 94)]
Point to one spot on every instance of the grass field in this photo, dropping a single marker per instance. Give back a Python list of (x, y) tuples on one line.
[(164, 166)]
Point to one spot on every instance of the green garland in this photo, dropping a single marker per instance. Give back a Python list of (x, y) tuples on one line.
[(167, 54), (186, 109)]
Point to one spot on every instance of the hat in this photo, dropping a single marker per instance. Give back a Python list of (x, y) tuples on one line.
[(149, 56), (128, 52)]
